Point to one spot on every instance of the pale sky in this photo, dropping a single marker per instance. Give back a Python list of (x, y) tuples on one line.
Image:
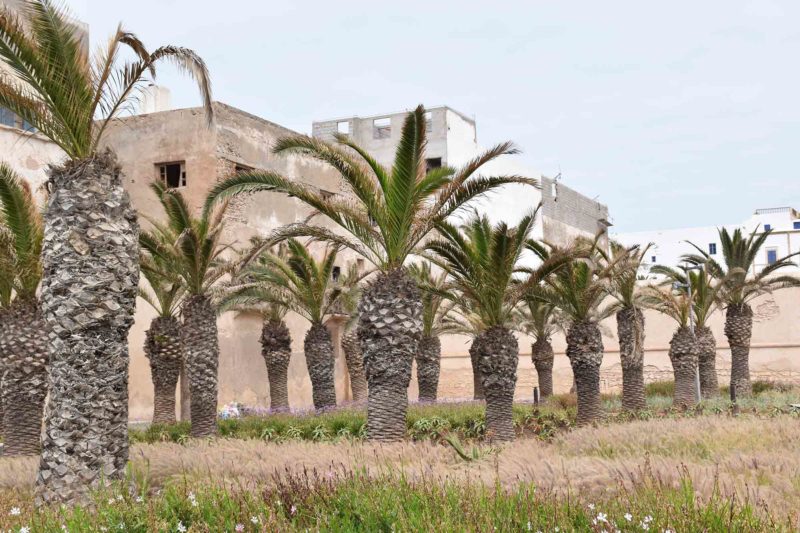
[(675, 114)]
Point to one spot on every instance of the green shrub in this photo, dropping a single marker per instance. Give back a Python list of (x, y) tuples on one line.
[(660, 388)]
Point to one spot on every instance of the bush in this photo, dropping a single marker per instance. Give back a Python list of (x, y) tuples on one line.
[(660, 388)]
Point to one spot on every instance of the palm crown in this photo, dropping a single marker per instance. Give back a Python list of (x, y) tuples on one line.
[(537, 316), (740, 253), (436, 308), (624, 278), (705, 294), (161, 272), (67, 96), (389, 211), (21, 233)]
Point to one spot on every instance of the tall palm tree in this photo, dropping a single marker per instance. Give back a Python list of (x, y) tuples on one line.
[(578, 291), (90, 253), (435, 311), (163, 339), (482, 262), (385, 215), (706, 293), (741, 284), (539, 319), (23, 347), (194, 246), (630, 320)]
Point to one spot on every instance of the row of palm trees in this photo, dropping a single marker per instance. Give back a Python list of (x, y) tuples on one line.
[(82, 293)]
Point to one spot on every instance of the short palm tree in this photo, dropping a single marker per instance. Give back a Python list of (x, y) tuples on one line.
[(23, 340), (705, 300), (483, 263), (350, 345), (385, 214), (435, 311), (578, 290), (163, 339), (539, 318), (194, 246), (625, 289), (740, 286), (90, 252)]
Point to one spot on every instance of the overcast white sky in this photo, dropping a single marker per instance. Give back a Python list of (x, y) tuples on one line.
[(680, 113)]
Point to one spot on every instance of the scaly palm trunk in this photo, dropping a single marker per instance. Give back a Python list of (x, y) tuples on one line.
[(186, 393), (162, 346), (739, 330), (707, 346), (542, 356), (276, 347), (585, 352), (630, 329), (477, 382), (389, 330), (90, 261), (684, 356), (23, 343), (201, 353), (429, 359), (355, 366), (319, 359), (498, 355)]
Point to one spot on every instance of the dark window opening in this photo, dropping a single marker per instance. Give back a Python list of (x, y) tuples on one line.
[(653, 259), (326, 194), (337, 271), (433, 162), (767, 227), (796, 224), (712, 248), (7, 118), (173, 175), (772, 256)]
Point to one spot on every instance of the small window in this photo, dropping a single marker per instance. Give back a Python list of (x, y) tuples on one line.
[(360, 264), (173, 175), (343, 127), (382, 128), (7, 118), (653, 259), (772, 256), (767, 227), (554, 191), (433, 162), (796, 224), (712, 248), (428, 122), (337, 271), (326, 194)]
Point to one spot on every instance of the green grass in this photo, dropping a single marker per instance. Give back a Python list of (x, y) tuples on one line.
[(348, 501)]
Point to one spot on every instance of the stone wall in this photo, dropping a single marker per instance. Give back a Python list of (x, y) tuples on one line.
[(567, 214)]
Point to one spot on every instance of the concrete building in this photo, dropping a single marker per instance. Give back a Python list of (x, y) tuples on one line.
[(670, 245), (453, 141)]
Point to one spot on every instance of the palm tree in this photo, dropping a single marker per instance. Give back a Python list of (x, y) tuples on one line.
[(350, 345), (386, 214), (23, 346), (163, 339), (705, 300), (630, 321), (578, 291), (482, 262), (90, 255), (539, 319), (435, 311), (741, 284), (194, 246)]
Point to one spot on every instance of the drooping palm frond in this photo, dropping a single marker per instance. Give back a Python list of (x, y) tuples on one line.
[(21, 243), (437, 300), (67, 96), (537, 316), (707, 292), (624, 276), (160, 266), (393, 209)]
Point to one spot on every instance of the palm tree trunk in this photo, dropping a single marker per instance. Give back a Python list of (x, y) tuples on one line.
[(24, 347), (276, 347), (585, 352), (201, 353), (498, 355), (429, 359), (542, 356), (707, 346), (389, 330), (162, 346), (90, 262), (319, 359), (186, 393), (739, 330), (477, 382), (683, 354), (355, 366), (630, 329)]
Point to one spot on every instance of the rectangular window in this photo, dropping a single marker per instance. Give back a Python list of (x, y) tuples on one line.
[(767, 227), (796, 224), (7, 118), (428, 122), (772, 255), (653, 259), (360, 265), (173, 175), (337, 271), (712, 248), (382, 128), (433, 162), (343, 127)]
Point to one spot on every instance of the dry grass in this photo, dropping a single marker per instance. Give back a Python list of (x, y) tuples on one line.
[(755, 458)]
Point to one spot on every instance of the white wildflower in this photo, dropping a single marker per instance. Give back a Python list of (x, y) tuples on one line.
[(181, 528), (24, 529), (293, 510), (15, 511), (648, 519), (529, 526), (591, 507), (628, 517), (602, 517), (120, 497), (645, 526), (139, 499), (254, 520), (239, 527)]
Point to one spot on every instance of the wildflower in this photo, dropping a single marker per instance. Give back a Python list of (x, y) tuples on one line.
[(529, 526), (24, 529), (254, 520), (119, 497), (111, 501), (628, 517), (181, 528), (239, 527), (645, 526), (648, 519), (602, 517), (293, 510), (591, 507), (667, 531), (139, 499), (15, 511), (64, 527)]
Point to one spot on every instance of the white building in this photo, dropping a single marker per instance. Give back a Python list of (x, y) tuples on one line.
[(453, 141), (670, 245)]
